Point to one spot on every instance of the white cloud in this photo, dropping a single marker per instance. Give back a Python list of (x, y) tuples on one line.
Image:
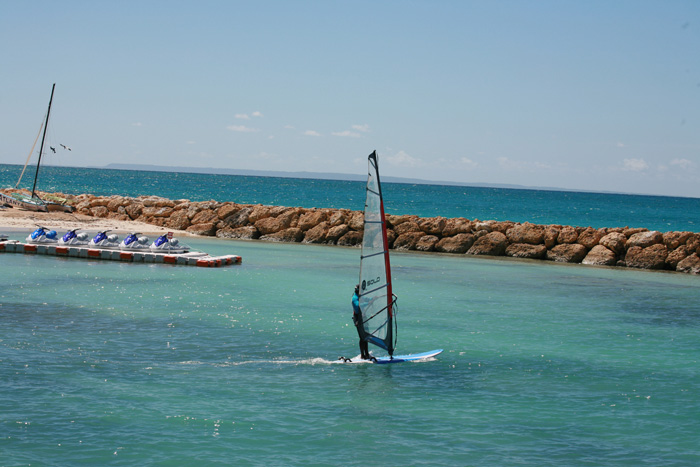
[(346, 133), (247, 117), (190, 142), (620, 145), (311, 133), (363, 128), (634, 165), (403, 159), (288, 127), (242, 129), (136, 124), (468, 162), (684, 164)]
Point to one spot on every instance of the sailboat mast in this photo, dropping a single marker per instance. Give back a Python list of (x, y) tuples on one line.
[(41, 149)]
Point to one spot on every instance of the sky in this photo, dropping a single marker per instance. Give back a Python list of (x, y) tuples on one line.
[(585, 95)]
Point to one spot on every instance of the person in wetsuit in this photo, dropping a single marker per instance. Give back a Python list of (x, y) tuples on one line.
[(357, 319)]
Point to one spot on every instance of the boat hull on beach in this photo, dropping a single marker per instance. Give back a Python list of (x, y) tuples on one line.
[(24, 202)]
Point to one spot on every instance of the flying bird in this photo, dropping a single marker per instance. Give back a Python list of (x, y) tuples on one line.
[(65, 147), (53, 149)]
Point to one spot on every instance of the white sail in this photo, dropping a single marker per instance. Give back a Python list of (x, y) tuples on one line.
[(376, 297)]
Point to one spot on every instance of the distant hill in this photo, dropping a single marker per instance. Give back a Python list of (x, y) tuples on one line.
[(310, 175)]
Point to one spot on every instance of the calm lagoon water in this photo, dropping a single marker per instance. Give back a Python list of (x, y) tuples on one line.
[(130, 364)]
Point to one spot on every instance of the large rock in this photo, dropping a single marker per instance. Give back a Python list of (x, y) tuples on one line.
[(567, 253), (270, 225), (590, 237), (651, 257), (259, 212), (551, 234), (116, 202), (532, 234), (311, 219), (293, 234), (673, 240), (614, 242), (629, 232), (317, 234), (240, 218), (99, 211), (248, 232), (492, 244), (157, 202), (600, 256), (567, 234), (157, 211), (644, 239), (205, 216), (357, 221), (690, 265), (427, 243), (693, 242), (459, 243), (352, 238), (526, 250), (207, 229), (408, 240), (677, 255), (337, 218), (433, 225), (394, 221), (406, 227), (228, 209), (455, 226), (101, 201), (134, 210), (502, 227), (335, 232), (179, 220)]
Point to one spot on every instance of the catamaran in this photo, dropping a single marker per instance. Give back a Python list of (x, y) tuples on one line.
[(34, 202), (377, 300)]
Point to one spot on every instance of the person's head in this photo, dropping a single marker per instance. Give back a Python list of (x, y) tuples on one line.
[(357, 289)]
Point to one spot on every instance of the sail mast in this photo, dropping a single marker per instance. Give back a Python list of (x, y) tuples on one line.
[(41, 149)]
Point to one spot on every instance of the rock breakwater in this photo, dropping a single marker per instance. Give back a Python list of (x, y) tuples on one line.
[(617, 246)]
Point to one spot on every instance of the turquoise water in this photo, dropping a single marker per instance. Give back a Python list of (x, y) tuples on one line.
[(131, 364), (663, 213)]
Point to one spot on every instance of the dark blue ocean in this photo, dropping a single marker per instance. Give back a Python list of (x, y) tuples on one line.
[(585, 209)]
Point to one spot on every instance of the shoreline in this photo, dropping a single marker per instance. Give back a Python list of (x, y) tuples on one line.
[(616, 246)]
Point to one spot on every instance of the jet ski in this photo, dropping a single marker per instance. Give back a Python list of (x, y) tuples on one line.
[(73, 238), (134, 241), (102, 240), (163, 244), (42, 235)]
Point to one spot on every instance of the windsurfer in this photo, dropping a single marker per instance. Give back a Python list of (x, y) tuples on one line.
[(357, 319)]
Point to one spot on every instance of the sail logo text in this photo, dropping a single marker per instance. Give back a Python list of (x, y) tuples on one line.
[(370, 282)]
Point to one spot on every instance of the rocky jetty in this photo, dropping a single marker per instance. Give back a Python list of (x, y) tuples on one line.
[(618, 246)]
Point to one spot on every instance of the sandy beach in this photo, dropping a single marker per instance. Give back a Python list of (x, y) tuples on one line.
[(13, 220)]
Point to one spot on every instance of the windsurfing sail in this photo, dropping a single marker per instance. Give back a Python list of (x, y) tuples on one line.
[(377, 301)]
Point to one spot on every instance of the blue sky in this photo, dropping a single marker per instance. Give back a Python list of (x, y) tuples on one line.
[(594, 95)]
